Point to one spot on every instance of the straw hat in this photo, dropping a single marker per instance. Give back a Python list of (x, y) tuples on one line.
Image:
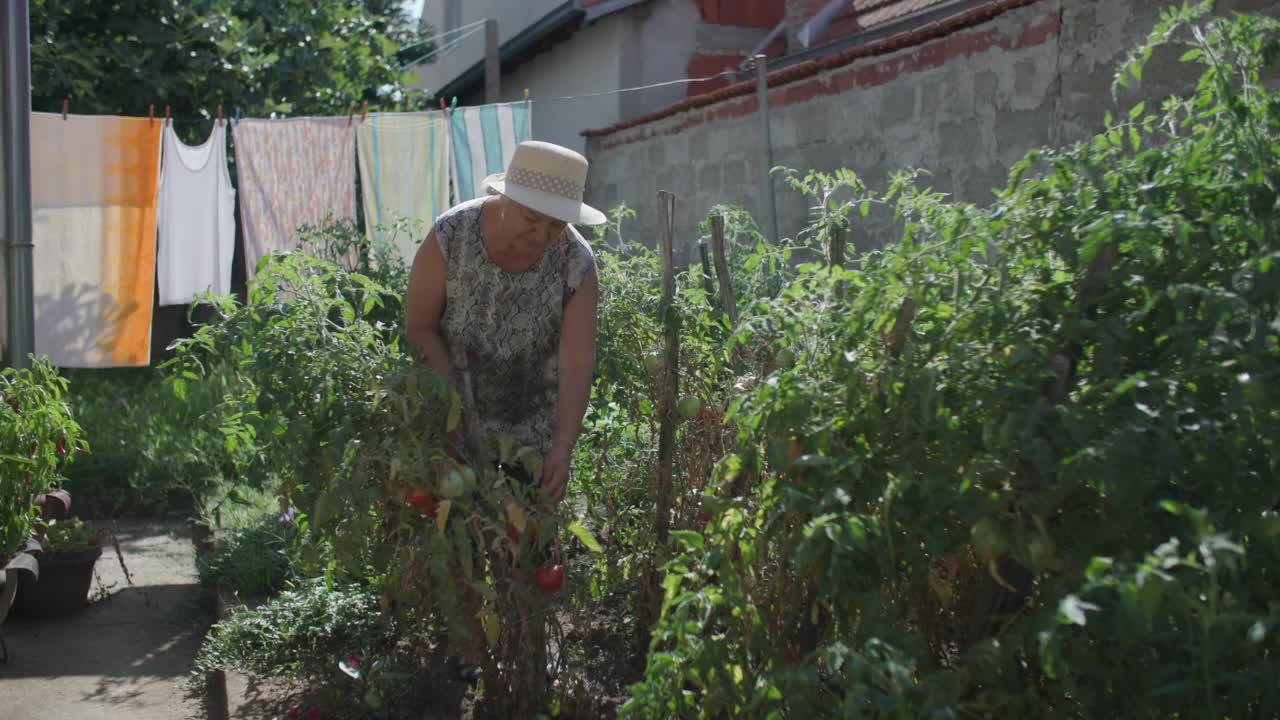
[(550, 179)]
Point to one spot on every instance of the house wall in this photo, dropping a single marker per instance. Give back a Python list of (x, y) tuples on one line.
[(964, 106), (660, 39), (588, 62), (4, 254), (513, 17)]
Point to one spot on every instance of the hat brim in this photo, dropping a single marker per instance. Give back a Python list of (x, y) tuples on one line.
[(556, 206)]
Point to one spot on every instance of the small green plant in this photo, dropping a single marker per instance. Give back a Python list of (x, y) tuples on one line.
[(257, 560), (70, 535), (323, 636)]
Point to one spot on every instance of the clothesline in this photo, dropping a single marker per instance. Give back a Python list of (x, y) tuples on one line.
[(446, 33), (561, 98), (441, 49)]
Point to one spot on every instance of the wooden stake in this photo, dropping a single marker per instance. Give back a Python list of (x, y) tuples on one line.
[(722, 270), (669, 377), (707, 283), (835, 252)]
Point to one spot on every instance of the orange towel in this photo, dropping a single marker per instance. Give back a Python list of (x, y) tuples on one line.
[(94, 182)]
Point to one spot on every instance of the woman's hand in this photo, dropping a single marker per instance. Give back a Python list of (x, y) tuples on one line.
[(555, 472)]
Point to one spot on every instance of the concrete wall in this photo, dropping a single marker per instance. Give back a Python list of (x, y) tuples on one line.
[(965, 107)]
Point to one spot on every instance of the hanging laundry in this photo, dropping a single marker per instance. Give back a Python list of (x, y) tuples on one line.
[(93, 192), (291, 173), (483, 140), (196, 218), (404, 174)]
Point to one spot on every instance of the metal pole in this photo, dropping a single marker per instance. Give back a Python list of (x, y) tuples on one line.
[(15, 122), (767, 204), (492, 62)]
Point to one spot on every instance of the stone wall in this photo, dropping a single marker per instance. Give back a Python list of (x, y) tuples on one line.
[(965, 106)]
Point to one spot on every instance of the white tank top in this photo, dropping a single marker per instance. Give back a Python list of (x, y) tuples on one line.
[(195, 218)]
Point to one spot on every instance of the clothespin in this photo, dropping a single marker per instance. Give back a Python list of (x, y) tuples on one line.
[(526, 94), (219, 113), (442, 107), (65, 103), (364, 110), (151, 114), (350, 111), (237, 114), (166, 114), (454, 104)]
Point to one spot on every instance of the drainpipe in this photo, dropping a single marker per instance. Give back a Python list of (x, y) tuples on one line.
[(15, 133), (819, 22)]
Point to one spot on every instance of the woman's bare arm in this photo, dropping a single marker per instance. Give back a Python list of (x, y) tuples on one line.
[(577, 365), (424, 306)]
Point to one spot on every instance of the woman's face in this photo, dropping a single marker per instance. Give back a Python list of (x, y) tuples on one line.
[(531, 231)]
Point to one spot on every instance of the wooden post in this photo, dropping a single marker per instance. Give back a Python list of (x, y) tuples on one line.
[(492, 62), (707, 284), (835, 252), (722, 269), (669, 377)]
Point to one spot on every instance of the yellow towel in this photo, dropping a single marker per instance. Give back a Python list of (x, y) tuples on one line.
[(404, 175), (94, 181)]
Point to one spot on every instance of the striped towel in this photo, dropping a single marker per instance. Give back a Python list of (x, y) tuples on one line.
[(484, 139), (94, 183), (404, 175)]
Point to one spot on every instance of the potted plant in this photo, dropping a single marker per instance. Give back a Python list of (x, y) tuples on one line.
[(37, 437), (69, 550)]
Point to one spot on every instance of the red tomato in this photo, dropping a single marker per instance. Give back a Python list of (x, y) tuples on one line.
[(422, 499), (550, 579), (515, 534)]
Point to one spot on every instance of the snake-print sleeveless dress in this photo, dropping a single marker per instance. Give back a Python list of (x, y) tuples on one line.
[(503, 328)]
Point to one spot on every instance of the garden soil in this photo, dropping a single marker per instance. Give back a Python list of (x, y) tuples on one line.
[(126, 655)]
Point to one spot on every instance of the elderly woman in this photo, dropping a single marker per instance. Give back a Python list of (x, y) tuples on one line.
[(502, 295)]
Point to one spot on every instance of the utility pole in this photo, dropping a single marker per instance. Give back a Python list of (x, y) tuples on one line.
[(768, 205), (492, 62), (15, 128)]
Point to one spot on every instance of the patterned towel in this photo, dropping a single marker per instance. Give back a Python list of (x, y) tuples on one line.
[(483, 140), (94, 183), (291, 173), (404, 174)]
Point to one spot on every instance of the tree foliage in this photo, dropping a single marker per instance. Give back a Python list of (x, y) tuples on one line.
[(290, 57)]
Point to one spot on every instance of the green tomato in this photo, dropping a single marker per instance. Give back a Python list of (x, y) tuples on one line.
[(1041, 551), (988, 539), (451, 484), (1270, 523), (689, 407)]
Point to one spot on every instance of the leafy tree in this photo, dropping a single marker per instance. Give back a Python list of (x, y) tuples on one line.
[(291, 57)]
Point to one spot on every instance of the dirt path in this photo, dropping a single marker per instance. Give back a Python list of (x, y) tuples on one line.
[(129, 655)]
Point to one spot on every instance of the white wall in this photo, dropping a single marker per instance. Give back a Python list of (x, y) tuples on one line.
[(587, 62)]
